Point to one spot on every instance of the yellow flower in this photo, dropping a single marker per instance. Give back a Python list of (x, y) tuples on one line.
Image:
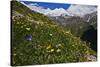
[(52, 50), (58, 50), (58, 45), (28, 29), (67, 32), (49, 47), (18, 22)]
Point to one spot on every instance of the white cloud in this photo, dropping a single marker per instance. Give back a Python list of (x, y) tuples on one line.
[(36, 7), (33, 4), (81, 10)]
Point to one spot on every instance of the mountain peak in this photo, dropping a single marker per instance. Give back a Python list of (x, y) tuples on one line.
[(57, 12), (73, 10)]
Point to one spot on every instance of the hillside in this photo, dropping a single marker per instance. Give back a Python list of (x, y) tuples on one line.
[(75, 23), (38, 40), (84, 27)]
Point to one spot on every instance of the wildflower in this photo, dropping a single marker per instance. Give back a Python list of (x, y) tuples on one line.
[(52, 50), (67, 32), (18, 23), (28, 29), (58, 50), (49, 47), (28, 37), (73, 45), (50, 34), (58, 45)]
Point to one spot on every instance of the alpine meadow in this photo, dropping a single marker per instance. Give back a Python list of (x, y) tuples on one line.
[(60, 33)]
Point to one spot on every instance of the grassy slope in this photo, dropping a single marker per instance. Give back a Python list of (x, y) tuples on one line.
[(50, 43)]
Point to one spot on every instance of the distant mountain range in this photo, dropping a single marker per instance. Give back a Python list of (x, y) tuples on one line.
[(73, 10)]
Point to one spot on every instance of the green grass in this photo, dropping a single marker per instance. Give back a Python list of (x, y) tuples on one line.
[(50, 44)]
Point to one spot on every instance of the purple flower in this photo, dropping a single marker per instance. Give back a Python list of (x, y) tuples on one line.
[(28, 37)]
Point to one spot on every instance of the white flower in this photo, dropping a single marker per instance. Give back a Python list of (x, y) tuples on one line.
[(28, 29), (50, 34)]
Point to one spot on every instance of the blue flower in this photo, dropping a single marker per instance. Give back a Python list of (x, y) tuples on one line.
[(28, 37)]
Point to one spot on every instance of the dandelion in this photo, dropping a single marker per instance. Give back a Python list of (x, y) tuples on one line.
[(28, 29), (58, 50)]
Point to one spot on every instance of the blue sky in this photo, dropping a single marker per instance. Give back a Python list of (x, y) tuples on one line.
[(49, 5)]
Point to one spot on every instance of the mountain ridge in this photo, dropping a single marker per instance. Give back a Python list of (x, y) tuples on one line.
[(73, 10)]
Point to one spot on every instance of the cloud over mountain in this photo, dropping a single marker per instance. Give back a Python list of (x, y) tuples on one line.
[(80, 10)]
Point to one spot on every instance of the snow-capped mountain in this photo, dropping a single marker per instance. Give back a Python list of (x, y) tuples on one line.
[(73, 10), (37, 8), (57, 12), (81, 10), (47, 11)]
